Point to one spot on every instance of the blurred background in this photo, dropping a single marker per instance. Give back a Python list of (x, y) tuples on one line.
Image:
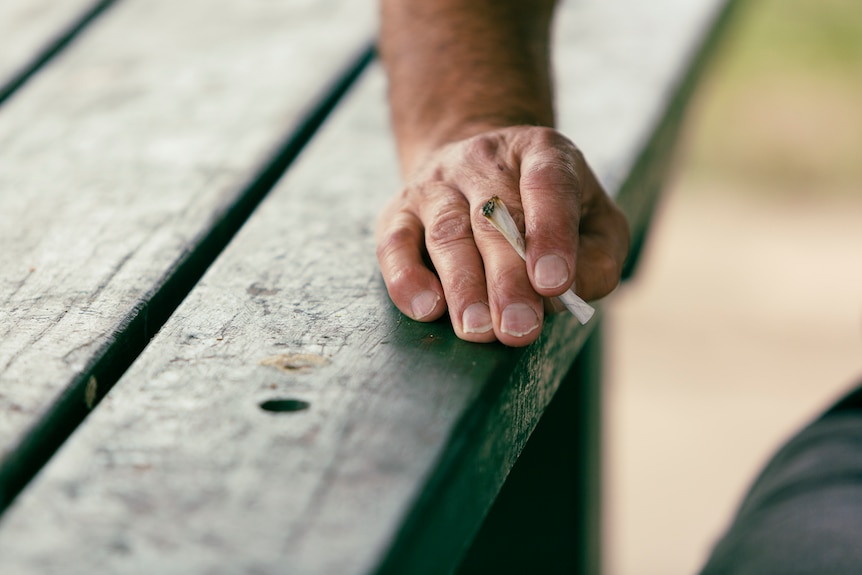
[(745, 319)]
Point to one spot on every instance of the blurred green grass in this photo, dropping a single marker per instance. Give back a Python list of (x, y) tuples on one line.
[(789, 34), (781, 110)]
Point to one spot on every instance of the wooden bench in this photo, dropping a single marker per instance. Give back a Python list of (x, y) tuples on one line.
[(200, 369)]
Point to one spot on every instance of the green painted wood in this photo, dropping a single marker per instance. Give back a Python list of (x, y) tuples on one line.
[(125, 165), (547, 517), (395, 437)]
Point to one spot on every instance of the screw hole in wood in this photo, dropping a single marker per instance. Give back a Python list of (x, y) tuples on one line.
[(284, 405)]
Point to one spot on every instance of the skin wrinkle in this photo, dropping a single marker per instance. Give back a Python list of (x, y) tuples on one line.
[(447, 227), (396, 235), (472, 111), (464, 280)]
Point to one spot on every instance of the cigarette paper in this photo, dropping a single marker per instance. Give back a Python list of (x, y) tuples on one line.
[(497, 213)]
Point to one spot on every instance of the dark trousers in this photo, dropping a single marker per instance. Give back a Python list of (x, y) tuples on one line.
[(803, 515)]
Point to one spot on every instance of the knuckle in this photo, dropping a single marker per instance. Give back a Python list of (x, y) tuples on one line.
[(508, 278), (548, 136), (543, 137), (401, 279), (554, 160), (448, 224), (551, 138), (484, 148), (395, 239), (554, 172), (465, 282)]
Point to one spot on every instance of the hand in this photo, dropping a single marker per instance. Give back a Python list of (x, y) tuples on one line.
[(575, 235)]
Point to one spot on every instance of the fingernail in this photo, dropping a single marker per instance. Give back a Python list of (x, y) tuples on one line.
[(476, 319), (551, 271), (424, 303), (519, 319)]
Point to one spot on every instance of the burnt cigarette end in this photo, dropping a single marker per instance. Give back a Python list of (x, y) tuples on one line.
[(488, 208)]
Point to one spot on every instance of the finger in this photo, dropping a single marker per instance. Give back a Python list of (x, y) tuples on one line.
[(516, 308), (413, 288), (445, 214), (604, 245), (551, 190)]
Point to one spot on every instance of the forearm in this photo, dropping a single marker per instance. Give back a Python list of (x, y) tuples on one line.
[(460, 67)]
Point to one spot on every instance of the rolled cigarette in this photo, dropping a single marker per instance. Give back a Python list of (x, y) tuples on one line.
[(496, 212)]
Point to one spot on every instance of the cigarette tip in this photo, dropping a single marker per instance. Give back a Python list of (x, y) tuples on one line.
[(489, 206)]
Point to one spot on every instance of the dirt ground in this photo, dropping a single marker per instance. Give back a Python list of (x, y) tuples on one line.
[(745, 319)]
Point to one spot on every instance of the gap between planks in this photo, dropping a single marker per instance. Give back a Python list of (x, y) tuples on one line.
[(108, 364), (51, 49)]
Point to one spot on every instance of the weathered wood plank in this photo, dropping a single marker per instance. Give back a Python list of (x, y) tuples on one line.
[(32, 30), (400, 434), (328, 485), (124, 167)]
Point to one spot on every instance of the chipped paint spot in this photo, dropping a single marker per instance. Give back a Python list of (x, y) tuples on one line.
[(430, 339), (295, 362), (90, 392)]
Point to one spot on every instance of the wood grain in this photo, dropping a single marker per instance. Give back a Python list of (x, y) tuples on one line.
[(29, 32), (123, 164), (313, 490), (400, 435)]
